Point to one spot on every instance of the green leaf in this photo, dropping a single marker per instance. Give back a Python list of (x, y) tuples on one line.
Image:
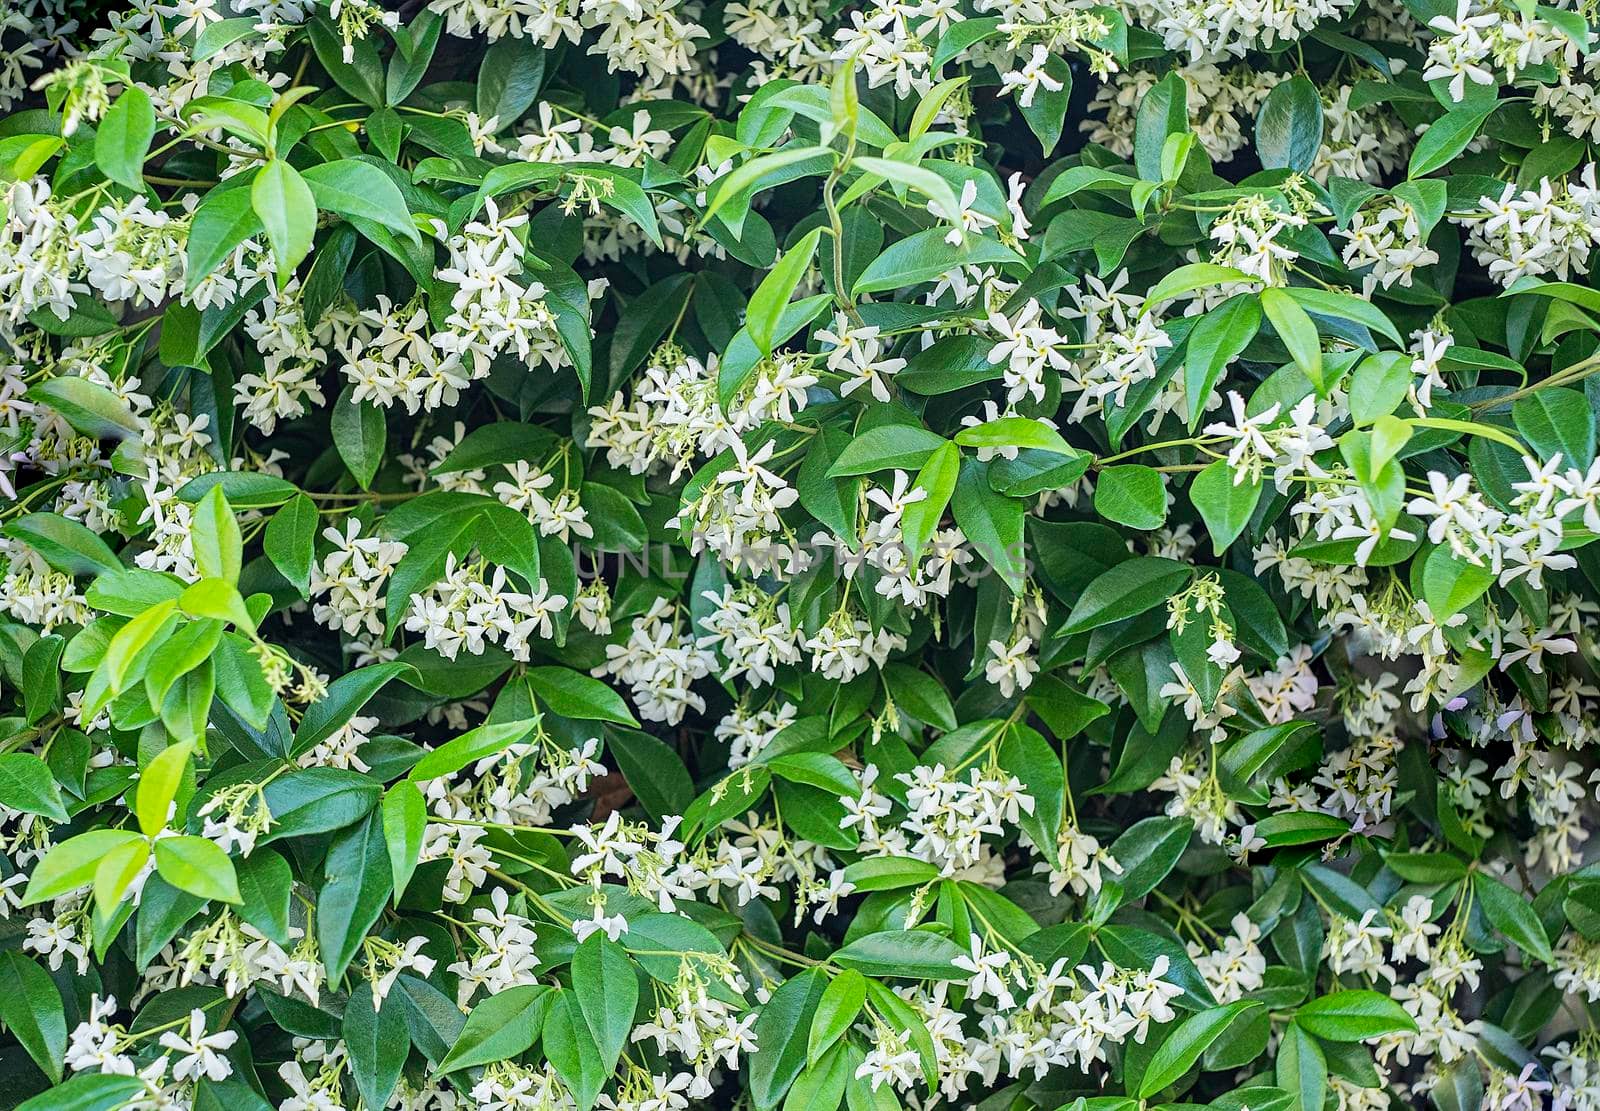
[(1182, 1049), (509, 80), (41, 679), (345, 697), (287, 211), (89, 1091), (949, 364), (215, 36), (1569, 292), (1026, 754), (88, 406), (572, 1052), (573, 694), (991, 523), (815, 769), (1224, 505), (920, 695), (1300, 828), (265, 887), (1017, 432), (359, 432), (654, 771), (1214, 342), (122, 141), (1450, 584), (1126, 590), (318, 800), (405, 819), (218, 600), (832, 501), (937, 479), (1512, 916), (782, 1031), (72, 863), (889, 873), (506, 537), (64, 544), (245, 489), (1378, 385), (290, 541), (218, 549), (1192, 276), (1163, 111), (360, 192), (926, 256), (1147, 851), (606, 989), (115, 874), (226, 218), (772, 295), (30, 1007), (1131, 494), (500, 1027), (822, 1084), (836, 1013), (186, 701), (914, 954), (1302, 1069), (885, 447), (26, 784), (1426, 868), (1460, 1086), (1447, 137), (356, 885), (1557, 421), (377, 1042), (958, 38), (425, 559), (1047, 114), (470, 747), (1338, 891), (1289, 125), (1297, 332), (158, 786), (1344, 306), (22, 156), (743, 357), (1066, 711), (198, 866), (747, 176), (1353, 1016), (126, 648)]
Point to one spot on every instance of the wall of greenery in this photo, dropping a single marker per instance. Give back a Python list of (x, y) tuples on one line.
[(649, 554)]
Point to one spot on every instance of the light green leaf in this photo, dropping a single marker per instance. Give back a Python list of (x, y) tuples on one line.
[(122, 141), (1353, 1016), (772, 295), (405, 818), (218, 549), (288, 213), (198, 866), (1297, 332)]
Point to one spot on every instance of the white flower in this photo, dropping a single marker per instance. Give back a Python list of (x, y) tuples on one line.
[(965, 218), (199, 1053), (1028, 80)]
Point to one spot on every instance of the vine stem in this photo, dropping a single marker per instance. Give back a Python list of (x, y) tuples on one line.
[(1574, 373)]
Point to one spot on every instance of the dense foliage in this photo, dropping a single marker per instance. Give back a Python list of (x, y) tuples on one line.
[(656, 553)]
